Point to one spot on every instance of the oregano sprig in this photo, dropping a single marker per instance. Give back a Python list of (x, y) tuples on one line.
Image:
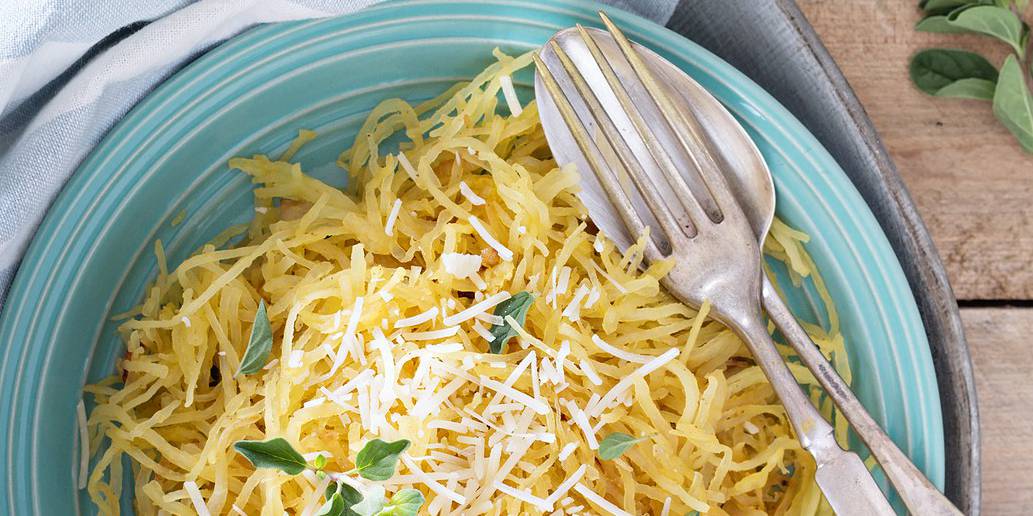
[(376, 461), (955, 73)]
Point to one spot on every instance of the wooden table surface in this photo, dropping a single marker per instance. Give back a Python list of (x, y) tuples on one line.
[(974, 189)]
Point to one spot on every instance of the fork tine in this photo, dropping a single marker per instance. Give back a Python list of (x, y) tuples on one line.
[(696, 144), (660, 156), (620, 146), (606, 175)]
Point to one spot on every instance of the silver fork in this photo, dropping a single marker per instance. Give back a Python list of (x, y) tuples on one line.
[(701, 226)]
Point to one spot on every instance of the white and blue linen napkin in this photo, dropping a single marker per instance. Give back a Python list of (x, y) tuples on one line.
[(70, 69)]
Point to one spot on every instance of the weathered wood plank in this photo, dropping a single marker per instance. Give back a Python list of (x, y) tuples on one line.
[(1002, 356), (971, 182)]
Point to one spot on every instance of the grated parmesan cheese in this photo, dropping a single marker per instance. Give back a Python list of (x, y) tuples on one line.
[(486, 235), (627, 356), (461, 265), (389, 226), (417, 319), (599, 501), (470, 195), (407, 166), (195, 498)]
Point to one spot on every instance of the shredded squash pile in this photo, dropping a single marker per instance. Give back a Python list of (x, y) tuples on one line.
[(381, 300)]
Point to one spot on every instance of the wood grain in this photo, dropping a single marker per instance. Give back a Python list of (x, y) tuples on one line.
[(972, 183), (999, 339)]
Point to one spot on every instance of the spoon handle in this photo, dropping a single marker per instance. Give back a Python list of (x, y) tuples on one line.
[(919, 495)]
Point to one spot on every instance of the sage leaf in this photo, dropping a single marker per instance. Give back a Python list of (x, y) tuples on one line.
[(952, 73), (406, 502), (1013, 103), (994, 21), (615, 444), (275, 453), (377, 460), (334, 506), (372, 503), (516, 306), (259, 345)]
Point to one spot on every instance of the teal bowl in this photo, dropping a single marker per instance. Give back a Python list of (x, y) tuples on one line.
[(92, 256)]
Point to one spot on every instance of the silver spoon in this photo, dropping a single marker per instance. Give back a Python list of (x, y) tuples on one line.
[(749, 178)]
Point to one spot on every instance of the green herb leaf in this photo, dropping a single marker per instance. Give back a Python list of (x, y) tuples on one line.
[(994, 21), (377, 460), (350, 494), (334, 506), (406, 502), (275, 453), (977, 89), (372, 503), (331, 490), (259, 345), (1013, 103), (938, 23), (615, 444), (945, 6), (320, 462), (952, 73), (516, 306)]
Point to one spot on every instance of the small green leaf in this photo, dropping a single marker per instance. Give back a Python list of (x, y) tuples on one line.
[(372, 503), (1013, 103), (334, 506), (320, 462), (937, 71), (275, 453), (406, 502), (331, 490), (945, 6), (348, 494), (994, 21), (978, 89), (351, 495), (613, 445), (377, 460), (259, 345), (516, 306), (938, 23)]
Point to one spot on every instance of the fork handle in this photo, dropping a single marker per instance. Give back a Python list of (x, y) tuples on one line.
[(919, 495), (847, 484)]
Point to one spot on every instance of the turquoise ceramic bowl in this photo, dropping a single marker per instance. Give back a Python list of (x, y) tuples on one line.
[(92, 255)]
